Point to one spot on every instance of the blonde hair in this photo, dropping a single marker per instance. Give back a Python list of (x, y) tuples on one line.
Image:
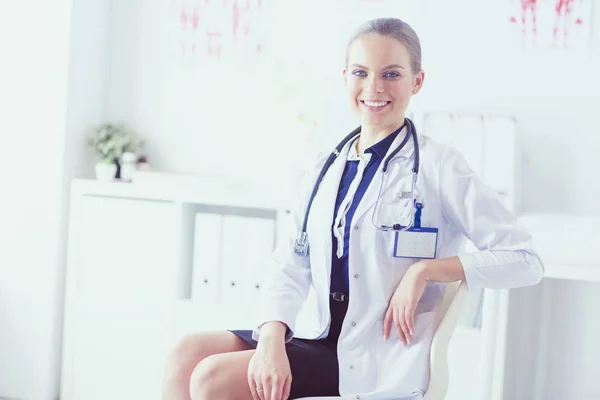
[(393, 28)]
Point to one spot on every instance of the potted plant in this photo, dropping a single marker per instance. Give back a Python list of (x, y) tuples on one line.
[(111, 141)]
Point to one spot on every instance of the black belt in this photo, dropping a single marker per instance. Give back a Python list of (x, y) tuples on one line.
[(338, 296)]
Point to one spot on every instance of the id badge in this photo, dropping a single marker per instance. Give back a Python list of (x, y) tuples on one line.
[(416, 243)]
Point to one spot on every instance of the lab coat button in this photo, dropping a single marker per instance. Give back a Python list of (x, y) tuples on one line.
[(352, 367), (355, 226), (353, 323), (358, 397), (356, 276)]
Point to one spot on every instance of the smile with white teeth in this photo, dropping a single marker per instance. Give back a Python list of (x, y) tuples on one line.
[(375, 103)]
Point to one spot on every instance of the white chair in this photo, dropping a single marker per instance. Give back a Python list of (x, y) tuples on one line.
[(447, 316)]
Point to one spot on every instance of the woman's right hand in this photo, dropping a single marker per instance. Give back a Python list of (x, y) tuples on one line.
[(269, 373)]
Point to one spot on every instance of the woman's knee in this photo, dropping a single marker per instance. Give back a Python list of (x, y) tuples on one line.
[(221, 376), (182, 359), (207, 378), (192, 349)]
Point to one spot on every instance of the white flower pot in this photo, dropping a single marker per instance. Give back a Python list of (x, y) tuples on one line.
[(106, 172)]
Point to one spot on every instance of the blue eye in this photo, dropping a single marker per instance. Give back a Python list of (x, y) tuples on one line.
[(391, 75), (359, 72)]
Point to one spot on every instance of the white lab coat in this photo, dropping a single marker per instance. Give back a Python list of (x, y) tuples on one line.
[(456, 202)]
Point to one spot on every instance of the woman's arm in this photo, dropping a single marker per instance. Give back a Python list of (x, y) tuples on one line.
[(440, 270), (506, 258)]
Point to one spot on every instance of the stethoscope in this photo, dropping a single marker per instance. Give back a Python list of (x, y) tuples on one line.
[(301, 242)]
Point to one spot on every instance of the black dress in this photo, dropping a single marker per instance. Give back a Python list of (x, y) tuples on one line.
[(313, 363)]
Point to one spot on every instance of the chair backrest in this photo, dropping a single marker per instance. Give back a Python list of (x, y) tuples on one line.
[(447, 317)]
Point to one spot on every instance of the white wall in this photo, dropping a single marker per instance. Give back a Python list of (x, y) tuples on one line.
[(189, 110), (42, 122), (468, 65), (86, 108), (33, 98), (554, 94)]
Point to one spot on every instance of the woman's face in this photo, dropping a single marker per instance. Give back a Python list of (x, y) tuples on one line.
[(380, 81)]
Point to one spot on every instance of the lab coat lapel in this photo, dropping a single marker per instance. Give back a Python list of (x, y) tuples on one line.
[(394, 169), (321, 215)]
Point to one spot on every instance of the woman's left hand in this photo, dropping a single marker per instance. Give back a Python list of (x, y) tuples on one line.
[(401, 309)]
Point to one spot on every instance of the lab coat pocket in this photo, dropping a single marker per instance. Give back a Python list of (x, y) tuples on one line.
[(393, 209)]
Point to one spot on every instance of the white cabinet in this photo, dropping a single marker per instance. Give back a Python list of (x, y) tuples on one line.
[(117, 354), (145, 268), (119, 280), (125, 250)]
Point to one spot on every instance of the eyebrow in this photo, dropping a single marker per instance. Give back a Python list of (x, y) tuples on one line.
[(388, 67)]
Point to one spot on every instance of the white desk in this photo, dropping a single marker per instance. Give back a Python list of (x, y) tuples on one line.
[(568, 246)]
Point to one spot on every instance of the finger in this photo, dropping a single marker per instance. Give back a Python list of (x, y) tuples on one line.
[(287, 388), (277, 388), (261, 388), (387, 322), (404, 326), (257, 395), (266, 386), (410, 319), (264, 392), (397, 325), (252, 386)]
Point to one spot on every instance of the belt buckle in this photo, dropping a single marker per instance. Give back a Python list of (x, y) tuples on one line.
[(338, 296)]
